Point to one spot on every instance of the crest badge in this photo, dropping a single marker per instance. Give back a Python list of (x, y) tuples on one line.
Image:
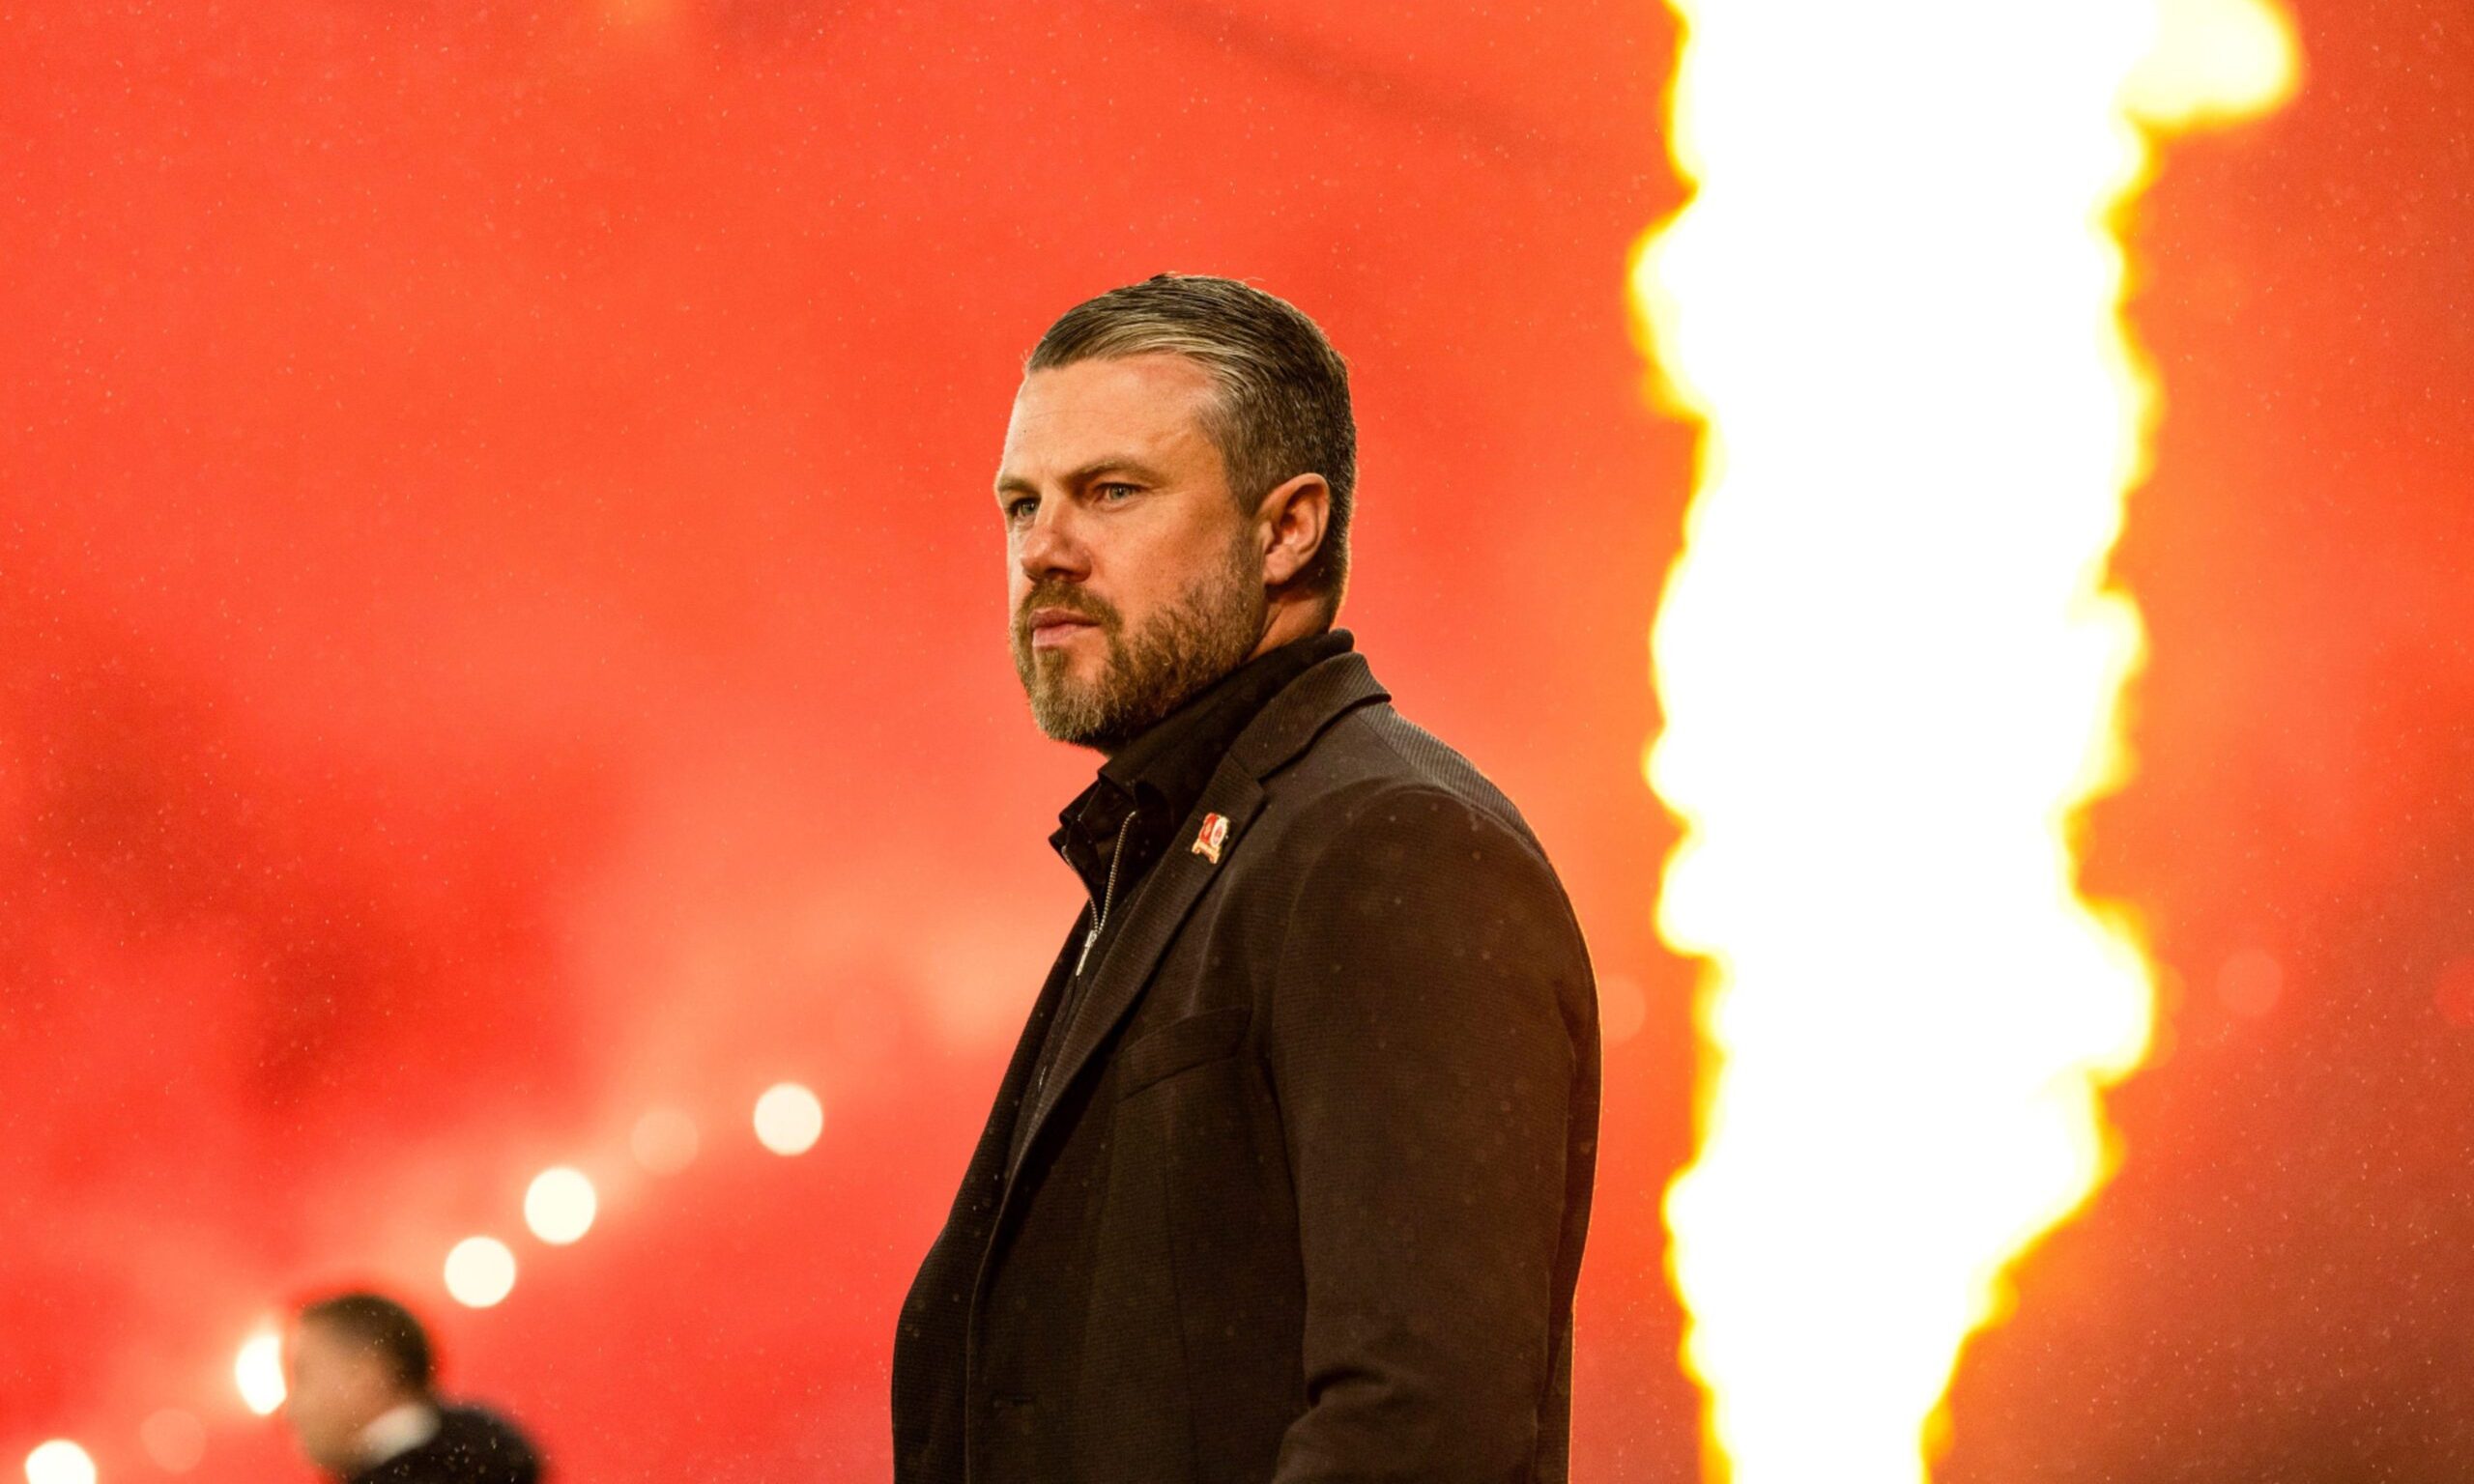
[(1211, 836)]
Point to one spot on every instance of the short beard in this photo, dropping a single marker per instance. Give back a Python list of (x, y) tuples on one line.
[(1210, 630)]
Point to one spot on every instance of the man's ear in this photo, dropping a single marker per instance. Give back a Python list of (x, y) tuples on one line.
[(1292, 519)]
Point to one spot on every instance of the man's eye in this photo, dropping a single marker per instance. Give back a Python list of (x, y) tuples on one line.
[(1020, 509), (1115, 489)]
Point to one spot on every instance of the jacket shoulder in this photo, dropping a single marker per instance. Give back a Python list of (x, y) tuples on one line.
[(1372, 753), (475, 1446)]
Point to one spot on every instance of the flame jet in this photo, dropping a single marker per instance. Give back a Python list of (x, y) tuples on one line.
[(1890, 665)]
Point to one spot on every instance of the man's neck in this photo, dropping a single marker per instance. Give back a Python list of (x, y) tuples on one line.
[(1289, 619), (1276, 636)]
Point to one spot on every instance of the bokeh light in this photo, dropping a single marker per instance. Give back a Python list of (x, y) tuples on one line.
[(481, 1271), (664, 1141), (559, 1206), (788, 1118), (175, 1439), (1623, 1007), (59, 1462), (258, 1371), (2250, 983)]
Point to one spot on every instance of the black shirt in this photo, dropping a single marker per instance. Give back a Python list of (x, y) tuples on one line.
[(1127, 819)]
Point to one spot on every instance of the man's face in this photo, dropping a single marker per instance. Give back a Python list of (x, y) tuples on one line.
[(1131, 576), (338, 1386)]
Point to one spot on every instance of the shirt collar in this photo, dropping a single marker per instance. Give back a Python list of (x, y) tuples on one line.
[(397, 1430), (1166, 770), (1177, 756)]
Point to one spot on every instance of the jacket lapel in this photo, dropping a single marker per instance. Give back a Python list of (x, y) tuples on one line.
[(1167, 895)]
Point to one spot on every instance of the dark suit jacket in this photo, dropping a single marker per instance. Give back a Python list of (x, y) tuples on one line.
[(471, 1447), (1304, 1197)]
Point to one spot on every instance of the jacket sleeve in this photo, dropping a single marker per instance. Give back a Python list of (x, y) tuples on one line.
[(1421, 1050)]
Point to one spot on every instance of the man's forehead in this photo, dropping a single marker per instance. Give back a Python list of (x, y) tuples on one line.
[(1065, 416), (308, 1339), (327, 1340)]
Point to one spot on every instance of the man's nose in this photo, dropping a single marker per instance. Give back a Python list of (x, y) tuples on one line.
[(1049, 547)]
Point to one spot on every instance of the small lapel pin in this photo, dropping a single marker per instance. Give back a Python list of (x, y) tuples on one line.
[(1211, 836)]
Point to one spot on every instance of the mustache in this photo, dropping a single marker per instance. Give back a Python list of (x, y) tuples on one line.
[(1072, 601)]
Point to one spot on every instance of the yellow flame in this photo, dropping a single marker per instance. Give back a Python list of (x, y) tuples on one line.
[(1890, 666)]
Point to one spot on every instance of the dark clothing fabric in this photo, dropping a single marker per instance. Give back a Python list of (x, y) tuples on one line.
[(471, 1447), (1167, 768), (1115, 829), (1303, 1197)]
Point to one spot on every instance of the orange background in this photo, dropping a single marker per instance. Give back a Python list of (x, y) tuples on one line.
[(502, 627)]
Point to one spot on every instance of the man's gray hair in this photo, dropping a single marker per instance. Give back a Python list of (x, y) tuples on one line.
[(1284, 403)]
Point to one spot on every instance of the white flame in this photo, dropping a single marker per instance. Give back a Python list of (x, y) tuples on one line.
[(1889, 666)]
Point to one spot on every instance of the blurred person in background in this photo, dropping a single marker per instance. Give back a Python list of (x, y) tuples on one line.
[(363, 1407)]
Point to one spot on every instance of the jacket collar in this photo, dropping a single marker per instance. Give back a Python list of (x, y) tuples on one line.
[(1283, 728), (1200, 730), (1298, 715), (1165, 770)]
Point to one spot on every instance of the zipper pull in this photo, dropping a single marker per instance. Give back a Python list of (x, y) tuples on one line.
[(1100, 908)]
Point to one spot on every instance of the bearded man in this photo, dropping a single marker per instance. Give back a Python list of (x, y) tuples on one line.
[(1288, 1177)]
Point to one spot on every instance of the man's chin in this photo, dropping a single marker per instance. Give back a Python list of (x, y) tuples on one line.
[(1065, 712)]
